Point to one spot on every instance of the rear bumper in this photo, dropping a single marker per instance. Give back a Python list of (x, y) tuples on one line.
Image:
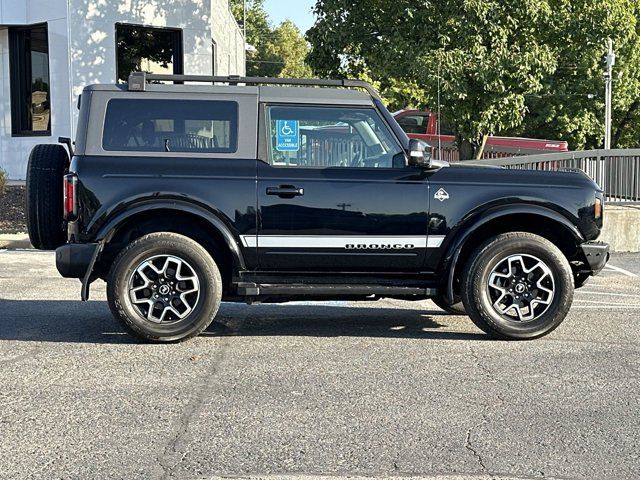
[(74, 259), (596, 255)]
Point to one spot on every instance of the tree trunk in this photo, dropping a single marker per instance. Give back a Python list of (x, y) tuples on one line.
[(480, 149), (466, 149)]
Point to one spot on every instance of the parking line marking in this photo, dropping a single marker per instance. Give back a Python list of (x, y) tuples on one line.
[(620, 270), (610, 307), (604, 294), (607, 303)]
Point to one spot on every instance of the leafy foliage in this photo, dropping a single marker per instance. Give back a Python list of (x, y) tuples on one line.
[(570, 105), (486, 55), (498, 66), (275, 52)]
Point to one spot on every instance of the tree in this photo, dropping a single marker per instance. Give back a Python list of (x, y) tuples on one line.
[(485, 56), (570, 106), (273, 52), (288, 45)]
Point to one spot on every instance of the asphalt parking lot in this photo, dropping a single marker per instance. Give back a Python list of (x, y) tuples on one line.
[(384, 389)]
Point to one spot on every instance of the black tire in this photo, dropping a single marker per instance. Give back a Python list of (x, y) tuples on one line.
[(45, 224), (477, 295), (456, 308), (197, 261)]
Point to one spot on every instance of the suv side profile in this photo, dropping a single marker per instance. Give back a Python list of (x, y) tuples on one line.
[(183, 196)]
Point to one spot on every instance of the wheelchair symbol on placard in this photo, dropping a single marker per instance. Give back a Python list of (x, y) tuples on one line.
[(288, 135), (286, 129)]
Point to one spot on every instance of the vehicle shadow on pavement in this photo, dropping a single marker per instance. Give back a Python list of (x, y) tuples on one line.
[(92, 322), (322, 320)]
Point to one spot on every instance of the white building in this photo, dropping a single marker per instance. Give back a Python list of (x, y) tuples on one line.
[(51, 49)]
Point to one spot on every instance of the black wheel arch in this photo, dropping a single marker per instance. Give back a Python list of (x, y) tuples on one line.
[(177, 217), (535, 219)]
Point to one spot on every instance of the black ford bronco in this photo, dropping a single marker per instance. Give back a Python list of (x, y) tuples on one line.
[(270, 190)]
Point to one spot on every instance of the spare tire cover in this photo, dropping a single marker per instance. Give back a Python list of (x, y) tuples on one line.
[(47, 166)]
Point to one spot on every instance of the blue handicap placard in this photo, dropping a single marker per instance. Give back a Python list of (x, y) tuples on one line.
[(288, 137)]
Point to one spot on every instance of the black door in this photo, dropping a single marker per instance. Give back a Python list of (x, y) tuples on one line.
[(334, 192)]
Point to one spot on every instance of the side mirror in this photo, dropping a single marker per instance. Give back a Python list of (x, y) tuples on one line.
[(419, 153)]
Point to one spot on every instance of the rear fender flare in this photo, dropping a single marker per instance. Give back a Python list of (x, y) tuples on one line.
[(452, 255), (107, 231)]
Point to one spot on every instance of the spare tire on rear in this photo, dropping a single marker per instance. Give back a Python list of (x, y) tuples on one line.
[(45, 223)]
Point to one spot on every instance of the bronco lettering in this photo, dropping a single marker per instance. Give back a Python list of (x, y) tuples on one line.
[(379, 246)]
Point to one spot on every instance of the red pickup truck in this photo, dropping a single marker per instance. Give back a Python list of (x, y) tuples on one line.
[(424, 126)]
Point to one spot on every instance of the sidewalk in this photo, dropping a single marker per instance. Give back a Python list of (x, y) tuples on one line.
[(14, 240)]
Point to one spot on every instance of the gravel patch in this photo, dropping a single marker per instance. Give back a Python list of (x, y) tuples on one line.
[(12, 211)]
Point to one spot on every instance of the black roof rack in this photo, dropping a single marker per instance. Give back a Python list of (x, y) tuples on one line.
[(138, 81)]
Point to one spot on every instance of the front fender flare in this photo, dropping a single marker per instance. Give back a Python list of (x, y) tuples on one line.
[(450, 259)]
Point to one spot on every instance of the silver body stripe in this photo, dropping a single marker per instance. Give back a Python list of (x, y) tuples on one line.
[(339, 241)]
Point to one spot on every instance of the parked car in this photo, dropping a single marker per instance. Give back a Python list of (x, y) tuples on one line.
[(423, 125), (182, 196)]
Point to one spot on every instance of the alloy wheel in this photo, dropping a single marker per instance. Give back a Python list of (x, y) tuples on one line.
[(164, 289), (521, 287)]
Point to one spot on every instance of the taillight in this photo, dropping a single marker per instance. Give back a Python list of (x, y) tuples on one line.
[(70, 203)]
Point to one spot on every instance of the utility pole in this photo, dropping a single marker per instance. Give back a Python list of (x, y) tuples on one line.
[(610, 61)]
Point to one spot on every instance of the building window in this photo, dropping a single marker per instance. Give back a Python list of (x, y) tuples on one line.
[(146, 49), (30, 89)]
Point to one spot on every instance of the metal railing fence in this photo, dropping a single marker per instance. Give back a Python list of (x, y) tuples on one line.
[(616, 171)]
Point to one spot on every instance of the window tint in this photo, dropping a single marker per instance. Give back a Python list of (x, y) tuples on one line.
[(29, 62), (330, 137), (414, 123), (171, 126), (445, 127)]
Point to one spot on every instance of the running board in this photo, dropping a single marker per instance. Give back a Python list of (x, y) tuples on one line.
[(253, 289)]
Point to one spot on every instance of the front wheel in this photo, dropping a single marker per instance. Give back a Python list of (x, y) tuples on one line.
[(517, 286), (164, 287)]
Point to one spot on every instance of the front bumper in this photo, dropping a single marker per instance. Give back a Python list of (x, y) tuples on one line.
[(596, 256), (73, 260)]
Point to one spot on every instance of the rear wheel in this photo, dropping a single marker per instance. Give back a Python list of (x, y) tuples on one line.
[(164, 287), (47, 166), (517, 286)]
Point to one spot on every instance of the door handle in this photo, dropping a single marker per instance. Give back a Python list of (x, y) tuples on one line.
[(285, 191)]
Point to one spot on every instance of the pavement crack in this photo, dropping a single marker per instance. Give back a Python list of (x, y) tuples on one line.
[(486, 410), (469, 446), (175, 450)]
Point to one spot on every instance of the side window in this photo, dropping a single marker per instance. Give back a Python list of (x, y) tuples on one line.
[(321, 137), (155, 125), (414, 123)]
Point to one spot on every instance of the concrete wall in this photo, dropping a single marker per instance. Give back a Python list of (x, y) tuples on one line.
[(93, 42), (82, 48), (14, 151), (622, 228), (230, 55)]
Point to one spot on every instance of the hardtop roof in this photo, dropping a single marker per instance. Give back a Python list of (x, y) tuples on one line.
[(274, 94)]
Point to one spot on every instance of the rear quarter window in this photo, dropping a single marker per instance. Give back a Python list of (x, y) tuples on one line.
[(158, 125)]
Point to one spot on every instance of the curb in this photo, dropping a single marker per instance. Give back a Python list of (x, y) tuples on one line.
[(12, 241)]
